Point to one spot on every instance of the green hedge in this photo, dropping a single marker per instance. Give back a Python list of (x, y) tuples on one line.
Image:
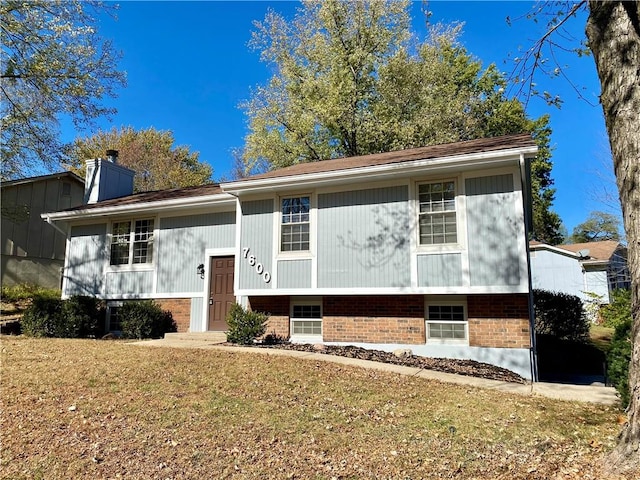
[(560, 315), (145, 319), (76, 317)]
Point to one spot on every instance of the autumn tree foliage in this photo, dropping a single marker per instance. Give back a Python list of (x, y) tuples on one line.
[(352, 78), (54, 65), (150, 153)]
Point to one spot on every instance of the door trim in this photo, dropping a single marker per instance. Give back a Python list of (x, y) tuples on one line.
[(209, 253)]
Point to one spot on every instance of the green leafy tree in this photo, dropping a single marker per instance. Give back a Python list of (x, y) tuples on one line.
[(150, 153), (351, 78), (599, 226), (54, 65)]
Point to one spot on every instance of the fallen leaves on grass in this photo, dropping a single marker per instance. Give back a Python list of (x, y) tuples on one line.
[(178, 413)]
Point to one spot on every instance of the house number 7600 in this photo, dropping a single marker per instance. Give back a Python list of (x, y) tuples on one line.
[(266, 276)]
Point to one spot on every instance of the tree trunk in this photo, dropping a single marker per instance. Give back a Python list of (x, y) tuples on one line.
[(613, 30)]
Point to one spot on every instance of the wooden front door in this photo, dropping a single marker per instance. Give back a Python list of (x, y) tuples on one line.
[(221, 295)]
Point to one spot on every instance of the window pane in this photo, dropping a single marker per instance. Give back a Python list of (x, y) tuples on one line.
[(120, 238), (437, 217), (306, 327), (143, 241)]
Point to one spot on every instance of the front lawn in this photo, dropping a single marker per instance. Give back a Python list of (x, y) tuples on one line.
[(100, 409)]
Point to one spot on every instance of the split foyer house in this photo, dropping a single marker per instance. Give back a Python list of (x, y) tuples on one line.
[(423, 248)]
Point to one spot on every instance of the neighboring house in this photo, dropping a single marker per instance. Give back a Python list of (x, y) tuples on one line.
[(590, 271), (423, 249), (33, 251)]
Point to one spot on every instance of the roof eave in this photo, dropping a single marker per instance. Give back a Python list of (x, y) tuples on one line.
[(481, 159), (216, 200)]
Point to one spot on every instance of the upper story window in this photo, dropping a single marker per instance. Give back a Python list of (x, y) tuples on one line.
[(132, 242), (437, 213), (294, 228)]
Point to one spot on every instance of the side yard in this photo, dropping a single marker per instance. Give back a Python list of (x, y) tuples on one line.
[(100, 409)]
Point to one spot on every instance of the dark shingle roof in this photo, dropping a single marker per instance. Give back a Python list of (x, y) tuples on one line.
[(422, 153), (434, 151), (156, 196)]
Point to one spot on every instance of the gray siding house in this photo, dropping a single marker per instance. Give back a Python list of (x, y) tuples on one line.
[(33, 251), (590, 271), (423, 248)]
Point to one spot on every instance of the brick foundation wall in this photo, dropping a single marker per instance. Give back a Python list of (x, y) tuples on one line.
[(499, 321), (180, 308), (373, 329), (278, 310), (374, 319)]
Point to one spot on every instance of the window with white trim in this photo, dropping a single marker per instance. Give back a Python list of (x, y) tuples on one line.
[(306, 319), (447, 323), (437, 213), (132, 242), (295, 224)]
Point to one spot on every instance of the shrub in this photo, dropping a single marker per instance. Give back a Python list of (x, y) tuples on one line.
[(26, 291), (81, 317), (145, 319), (274, 339), (245, 326), (560, 315), (76, 317), (618, 312), (618, 315), (42, 317)]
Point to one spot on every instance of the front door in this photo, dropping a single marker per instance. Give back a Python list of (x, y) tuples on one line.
[(221, 295)]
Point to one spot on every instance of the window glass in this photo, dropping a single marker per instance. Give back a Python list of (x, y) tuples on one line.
[(295, 224), (446, 322), (129, 246), (306, 320), (437, 213), (120, 237)]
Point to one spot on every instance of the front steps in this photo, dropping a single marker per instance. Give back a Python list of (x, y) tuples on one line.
[(210, 337)]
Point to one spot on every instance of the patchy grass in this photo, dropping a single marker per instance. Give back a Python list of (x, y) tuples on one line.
[(97, 409), (601, 337)]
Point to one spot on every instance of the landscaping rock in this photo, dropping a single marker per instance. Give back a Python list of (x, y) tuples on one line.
[(403, 352)]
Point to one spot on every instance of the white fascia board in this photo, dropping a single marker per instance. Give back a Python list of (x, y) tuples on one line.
[(157, 206), (558, 250), (370, 173)]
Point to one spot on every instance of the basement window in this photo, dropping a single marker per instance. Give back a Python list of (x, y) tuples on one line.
[(447, 323), (306, 321)]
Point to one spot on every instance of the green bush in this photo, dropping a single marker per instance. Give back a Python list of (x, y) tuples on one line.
[(618, 312), (81, 317), (145, 319), (560, 315), (245, 326), (618, 315), (76, 317), (42, 317), (26, 291)]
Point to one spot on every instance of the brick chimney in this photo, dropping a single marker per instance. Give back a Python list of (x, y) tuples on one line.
[(105, 179)]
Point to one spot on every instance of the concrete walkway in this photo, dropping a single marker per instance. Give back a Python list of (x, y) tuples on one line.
[(560, 391)]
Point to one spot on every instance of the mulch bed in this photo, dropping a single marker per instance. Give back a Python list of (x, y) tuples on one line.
[(461, 367)]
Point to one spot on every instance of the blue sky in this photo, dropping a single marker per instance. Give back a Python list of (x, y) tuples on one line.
[(188, 68)]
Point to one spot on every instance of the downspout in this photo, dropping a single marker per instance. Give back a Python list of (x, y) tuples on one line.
[(47, 219), (525, 177)]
